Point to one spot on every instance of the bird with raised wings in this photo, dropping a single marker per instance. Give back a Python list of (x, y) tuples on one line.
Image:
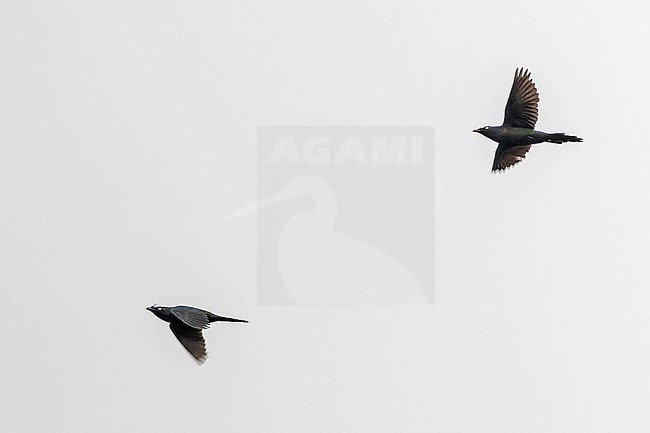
[(187, 324), (518, 133)]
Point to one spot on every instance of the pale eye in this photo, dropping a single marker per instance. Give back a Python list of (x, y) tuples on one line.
[(487, 127)]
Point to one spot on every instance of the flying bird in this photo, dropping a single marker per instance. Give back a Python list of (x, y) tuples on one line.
[(187, 323), (518, 133)]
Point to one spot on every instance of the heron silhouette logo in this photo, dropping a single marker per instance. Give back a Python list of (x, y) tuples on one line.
[(344, 215)]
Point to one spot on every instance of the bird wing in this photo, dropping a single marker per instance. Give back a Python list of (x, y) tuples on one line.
[(191, 316), (507, 156), (191, 339), (521, 109)]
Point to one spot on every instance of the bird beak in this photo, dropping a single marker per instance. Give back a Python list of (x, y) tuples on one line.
[(476, 130), (285, 194), (150, 308)]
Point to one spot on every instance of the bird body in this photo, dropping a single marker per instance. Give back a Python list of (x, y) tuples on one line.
[(186, 323), (514, 136), (517, 133)]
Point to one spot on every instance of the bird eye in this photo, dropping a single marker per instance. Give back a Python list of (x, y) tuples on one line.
[(487, 127)]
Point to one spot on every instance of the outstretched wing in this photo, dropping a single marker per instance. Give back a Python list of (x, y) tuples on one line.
[(191, 316), (507, 156), (521, 109), (191, 339)]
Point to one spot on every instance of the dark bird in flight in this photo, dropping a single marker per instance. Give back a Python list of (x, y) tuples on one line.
[(518, 133), (187, 323)]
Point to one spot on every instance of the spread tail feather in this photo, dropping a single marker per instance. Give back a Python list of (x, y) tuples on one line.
[(215, 318), (560, 137)]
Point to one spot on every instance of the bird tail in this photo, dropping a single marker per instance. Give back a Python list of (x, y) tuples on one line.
[(215, 318), (560, 137)]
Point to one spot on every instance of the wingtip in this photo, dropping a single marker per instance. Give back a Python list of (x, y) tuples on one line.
[(522, 72)]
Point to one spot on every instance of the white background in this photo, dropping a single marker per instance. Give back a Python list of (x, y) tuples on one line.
[(127, 129)]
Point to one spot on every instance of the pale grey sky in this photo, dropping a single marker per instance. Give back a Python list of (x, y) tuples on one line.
[(128, 129)]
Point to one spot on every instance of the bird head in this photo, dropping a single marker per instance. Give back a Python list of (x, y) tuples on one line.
[(161, 312), (488, 131)]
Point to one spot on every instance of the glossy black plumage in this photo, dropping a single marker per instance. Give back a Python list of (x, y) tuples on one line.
[(521, 108), (187, 323), (517, 133)]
